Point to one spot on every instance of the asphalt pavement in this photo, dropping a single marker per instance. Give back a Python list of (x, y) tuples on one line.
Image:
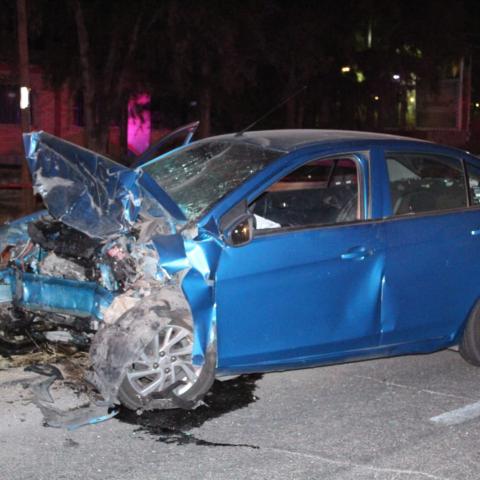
[(415, 417)]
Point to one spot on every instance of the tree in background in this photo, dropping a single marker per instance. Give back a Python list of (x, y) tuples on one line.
[(94, 47), (397, 46), (212, 49), (227, 62)]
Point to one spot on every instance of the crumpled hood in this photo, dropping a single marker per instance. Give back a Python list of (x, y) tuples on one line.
[(88, 191)]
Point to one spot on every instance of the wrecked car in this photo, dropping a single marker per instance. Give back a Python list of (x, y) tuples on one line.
[(242, 253)]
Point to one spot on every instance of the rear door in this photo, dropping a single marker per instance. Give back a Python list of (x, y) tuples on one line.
[(307, 287), (432, 247)]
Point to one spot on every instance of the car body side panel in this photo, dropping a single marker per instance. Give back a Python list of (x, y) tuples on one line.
[(289, 299), (432, 262), (285, 299), (193, 261)]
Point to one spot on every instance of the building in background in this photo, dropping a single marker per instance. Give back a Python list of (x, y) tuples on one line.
[(439, 112), (59, 112)]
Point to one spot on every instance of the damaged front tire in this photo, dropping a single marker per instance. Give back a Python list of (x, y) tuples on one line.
[(163, 376)]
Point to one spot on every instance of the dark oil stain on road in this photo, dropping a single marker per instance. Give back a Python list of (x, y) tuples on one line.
[(172, 426)]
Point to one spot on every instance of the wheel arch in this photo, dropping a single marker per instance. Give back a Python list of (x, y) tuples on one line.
[(474, 309)]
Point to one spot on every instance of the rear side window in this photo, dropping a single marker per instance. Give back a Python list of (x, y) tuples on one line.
[(425, 183)]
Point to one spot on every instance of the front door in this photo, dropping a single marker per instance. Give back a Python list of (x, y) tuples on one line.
[(307, 287)]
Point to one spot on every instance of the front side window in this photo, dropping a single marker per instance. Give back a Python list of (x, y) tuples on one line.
[(323, 192), (425, 183)]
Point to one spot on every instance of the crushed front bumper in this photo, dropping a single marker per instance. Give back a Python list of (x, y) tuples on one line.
[(41, 293)]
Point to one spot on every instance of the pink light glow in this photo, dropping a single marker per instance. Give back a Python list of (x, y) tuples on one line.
[(139, 124)]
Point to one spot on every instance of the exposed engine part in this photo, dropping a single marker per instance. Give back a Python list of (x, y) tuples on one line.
[(122, 265), (118, 307), (21, 331), (65, 336), (61, 239), (5, 256), (57, 266), (14, 333), (20, 252)]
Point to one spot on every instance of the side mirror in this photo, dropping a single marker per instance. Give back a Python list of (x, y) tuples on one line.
[(241, 231)]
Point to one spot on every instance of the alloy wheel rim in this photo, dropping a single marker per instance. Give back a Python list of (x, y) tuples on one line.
[(165, 362)]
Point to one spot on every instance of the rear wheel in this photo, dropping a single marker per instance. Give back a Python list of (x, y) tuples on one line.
[(164, 371), (470, 344)]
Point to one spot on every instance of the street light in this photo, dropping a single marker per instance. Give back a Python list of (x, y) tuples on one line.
[(24, 98)]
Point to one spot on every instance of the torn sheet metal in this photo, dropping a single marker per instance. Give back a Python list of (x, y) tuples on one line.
[(5, 286), (116, 346), (76, 418), (135, 282), (198, 286), (114, 247), (100, 198), (192, 261), (73, 418), (184, 291), (55, 266), (15, 232), (84, 190), (90, 192)]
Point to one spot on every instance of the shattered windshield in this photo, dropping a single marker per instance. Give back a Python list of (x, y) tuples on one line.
[(199, 175)]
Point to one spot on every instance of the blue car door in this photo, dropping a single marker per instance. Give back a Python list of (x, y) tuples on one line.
[(432, 249), (306, 289)]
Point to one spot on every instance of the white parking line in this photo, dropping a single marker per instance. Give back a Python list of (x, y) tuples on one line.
[(460, 415)]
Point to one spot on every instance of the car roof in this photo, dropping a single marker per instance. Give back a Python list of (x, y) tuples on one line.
[(289, 140)]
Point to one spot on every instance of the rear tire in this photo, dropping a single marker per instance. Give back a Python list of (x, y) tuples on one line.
[(470, 344)]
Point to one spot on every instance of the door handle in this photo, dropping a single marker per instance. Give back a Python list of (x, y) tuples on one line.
[(357, 253), (475, 233)]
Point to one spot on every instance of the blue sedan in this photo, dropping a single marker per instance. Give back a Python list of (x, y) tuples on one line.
[(249, 252)]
